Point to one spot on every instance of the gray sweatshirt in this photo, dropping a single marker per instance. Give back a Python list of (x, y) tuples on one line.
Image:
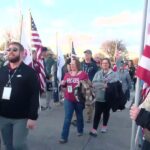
[(99, 80), (125, 79)]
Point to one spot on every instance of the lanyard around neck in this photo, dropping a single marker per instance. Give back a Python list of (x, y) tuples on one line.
[(10, 77)]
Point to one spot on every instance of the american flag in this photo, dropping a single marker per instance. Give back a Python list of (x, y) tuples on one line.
[(117, 53), (37, 45), (73, 53), (36, 42), (145, 91), (73, 50), (143, 70)]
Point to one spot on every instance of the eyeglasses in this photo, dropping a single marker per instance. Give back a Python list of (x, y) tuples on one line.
[(72, 64), (12, 49)]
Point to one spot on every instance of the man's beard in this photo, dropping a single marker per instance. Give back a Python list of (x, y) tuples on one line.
[(14, 60)]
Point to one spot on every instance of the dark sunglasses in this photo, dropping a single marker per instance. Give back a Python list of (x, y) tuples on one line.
[(12, 49)]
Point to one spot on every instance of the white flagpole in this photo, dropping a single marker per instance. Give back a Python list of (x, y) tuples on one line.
[(116, 49), (137, 91), (57, 42), (21, 23), (60, 62), (20, 19), (59, 98), (70, 45)]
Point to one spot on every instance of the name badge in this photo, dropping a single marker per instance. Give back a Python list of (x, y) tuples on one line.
[(69, 89), (6, 93)]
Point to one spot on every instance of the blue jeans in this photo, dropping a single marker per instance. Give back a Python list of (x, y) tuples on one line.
[(70, 107)]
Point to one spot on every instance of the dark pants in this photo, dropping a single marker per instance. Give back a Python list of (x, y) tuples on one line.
[(101, 107), (134, 82), (146, 145), (55, 95), (127, 94)]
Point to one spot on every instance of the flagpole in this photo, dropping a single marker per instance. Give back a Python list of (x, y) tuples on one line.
[(116, 49), (21, 23), (29, 13), (70, 45), (57, 42), (20, 19), (57, 65), (137, 91)]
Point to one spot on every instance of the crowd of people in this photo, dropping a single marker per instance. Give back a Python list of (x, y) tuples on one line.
[(93, 85)]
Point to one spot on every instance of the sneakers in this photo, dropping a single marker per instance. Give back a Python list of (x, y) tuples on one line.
[(74, 123), (104, 129), (93, 132), (88, 121), (62, 141), (56, 104), (43, 108), (79, 134)]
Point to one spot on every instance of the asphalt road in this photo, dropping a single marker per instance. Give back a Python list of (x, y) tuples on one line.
[(49, 126)]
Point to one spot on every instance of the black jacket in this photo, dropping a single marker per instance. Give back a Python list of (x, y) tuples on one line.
[(114, 96), (89, 68), (24, 99), (143, 119)]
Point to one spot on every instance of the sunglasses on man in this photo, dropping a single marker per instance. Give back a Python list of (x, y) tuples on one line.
[(12, 49)]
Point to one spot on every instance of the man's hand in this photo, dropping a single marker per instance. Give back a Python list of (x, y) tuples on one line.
[(31, 124), (134, 111)]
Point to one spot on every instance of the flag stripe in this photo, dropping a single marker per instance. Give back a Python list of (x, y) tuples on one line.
[(145, 91), (143, 74), (145, 63), (35, 32), (35, 38), (146, 51), (36, 43)]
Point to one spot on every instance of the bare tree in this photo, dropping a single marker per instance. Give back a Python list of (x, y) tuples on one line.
[(111, 47), (8, 37), (2, 46)]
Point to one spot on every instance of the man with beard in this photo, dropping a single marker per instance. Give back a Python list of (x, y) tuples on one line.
[(19, 99)]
